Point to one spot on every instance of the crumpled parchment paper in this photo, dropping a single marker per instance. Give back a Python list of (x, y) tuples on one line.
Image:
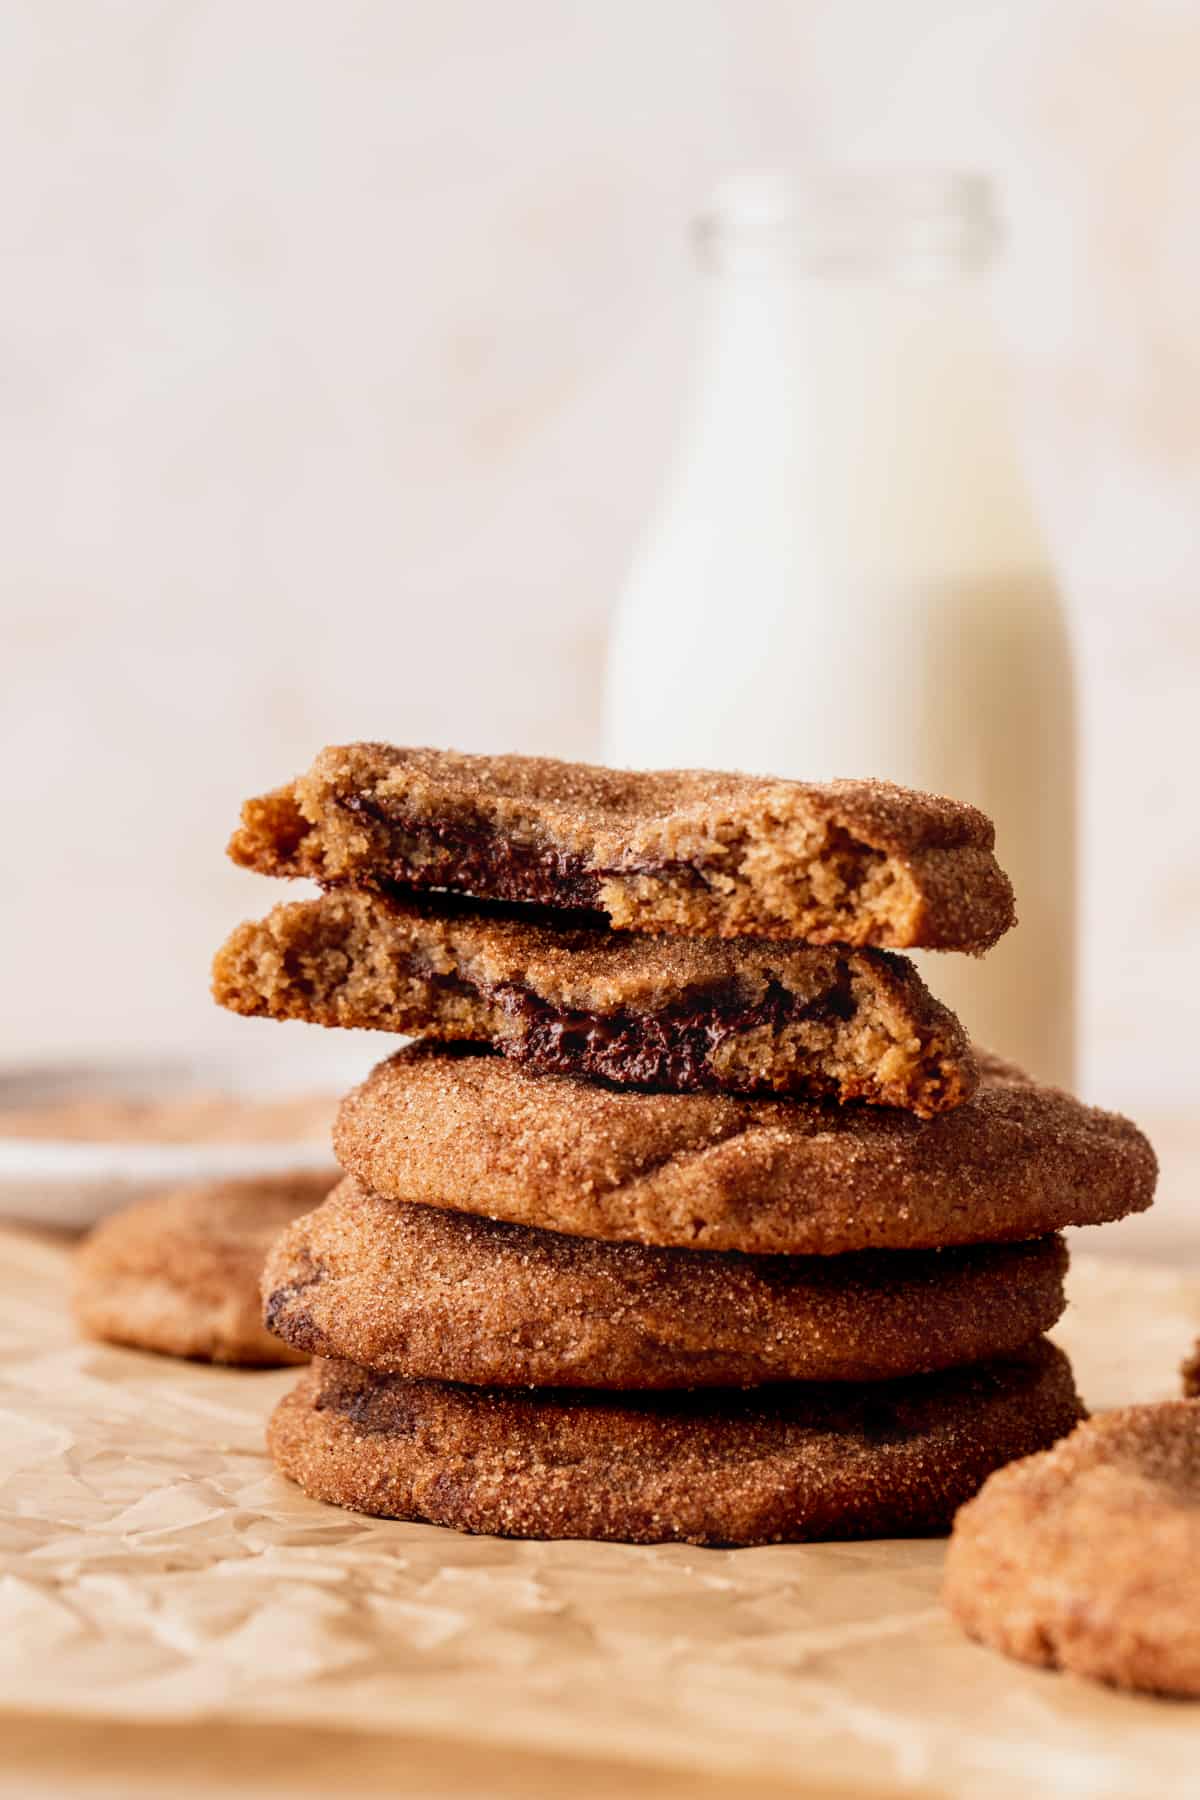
[(154, 1570)]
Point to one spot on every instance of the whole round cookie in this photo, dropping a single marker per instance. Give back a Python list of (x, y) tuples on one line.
[(180, 1273), (767, 1466), (713, 1172), (416, 1291), (1087, 1558)]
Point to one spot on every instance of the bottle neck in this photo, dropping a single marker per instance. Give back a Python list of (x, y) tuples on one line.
[(862, 399), (795, 343), (845, 292)]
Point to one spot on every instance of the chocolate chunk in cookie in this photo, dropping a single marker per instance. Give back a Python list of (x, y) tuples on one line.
[(710, 855), (685, 1014), (417, 1291), (775, 1465), (180, 1273), (477, 1134), (1087, 1558)]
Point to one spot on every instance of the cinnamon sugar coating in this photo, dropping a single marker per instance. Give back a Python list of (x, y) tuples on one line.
[(770, 1466), (180, 1273), (1087, 1557), (683, 851), (686, 1014), (417, 1291), (476, 1134)]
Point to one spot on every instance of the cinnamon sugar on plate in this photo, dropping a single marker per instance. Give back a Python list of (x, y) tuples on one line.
[(187, 1118)]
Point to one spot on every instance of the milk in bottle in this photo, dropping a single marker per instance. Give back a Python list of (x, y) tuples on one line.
[(845, 575)]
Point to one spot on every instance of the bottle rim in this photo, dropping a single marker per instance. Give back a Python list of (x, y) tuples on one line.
[(851, 219)]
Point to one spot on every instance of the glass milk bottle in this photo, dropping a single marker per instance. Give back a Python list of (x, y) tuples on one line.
[(845, 575)]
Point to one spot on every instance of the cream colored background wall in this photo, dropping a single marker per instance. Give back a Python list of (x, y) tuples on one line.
[(342, 346)]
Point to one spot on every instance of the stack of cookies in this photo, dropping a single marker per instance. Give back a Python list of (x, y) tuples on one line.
[(691, 1215)]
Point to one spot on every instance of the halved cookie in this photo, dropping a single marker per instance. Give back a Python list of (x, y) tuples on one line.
[(685, 1014), (689, 851)]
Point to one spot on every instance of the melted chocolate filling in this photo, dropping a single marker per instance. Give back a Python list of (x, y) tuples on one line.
[(670, 1049), (302, 1331), (475, 859), (469, 857)]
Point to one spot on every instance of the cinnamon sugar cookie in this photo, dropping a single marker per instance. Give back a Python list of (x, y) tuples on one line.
[(180, 1273), (705, 854), (774, 1465), (685, 1014), (1087, 1558), (476, 1134), (415, 1291)]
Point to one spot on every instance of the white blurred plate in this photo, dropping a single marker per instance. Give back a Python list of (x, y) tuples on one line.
[(72, 1182)]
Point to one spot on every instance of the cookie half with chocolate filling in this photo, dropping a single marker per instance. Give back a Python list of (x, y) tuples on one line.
[(683, 1014), (683, 851)]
